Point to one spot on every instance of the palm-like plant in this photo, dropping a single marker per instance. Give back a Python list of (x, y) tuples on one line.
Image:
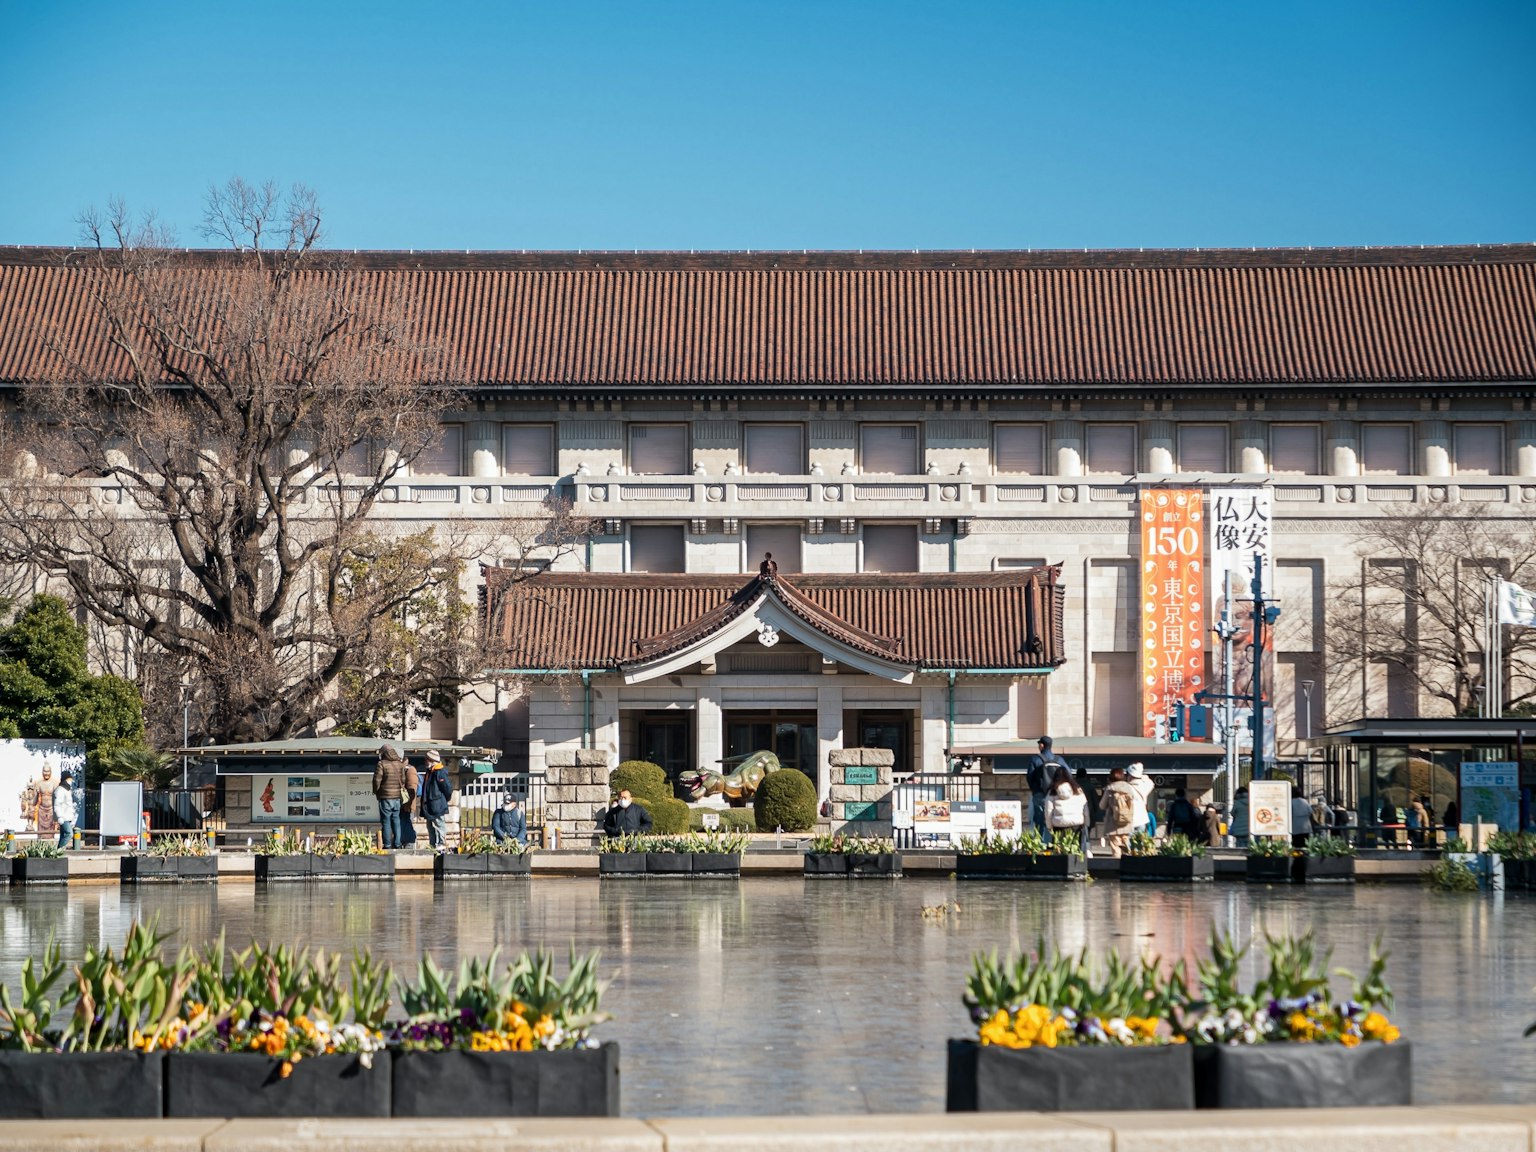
[(153, 769)]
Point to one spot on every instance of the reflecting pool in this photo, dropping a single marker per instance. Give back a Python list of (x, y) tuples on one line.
[(780, 995)]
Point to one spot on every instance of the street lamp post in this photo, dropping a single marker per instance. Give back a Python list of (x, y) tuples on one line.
[(1265, 613)]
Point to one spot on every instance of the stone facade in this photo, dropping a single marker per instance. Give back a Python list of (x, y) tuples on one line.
[(860, 796), (576, 792)]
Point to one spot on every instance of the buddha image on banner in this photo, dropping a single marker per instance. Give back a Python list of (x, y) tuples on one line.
[(1173, 623)]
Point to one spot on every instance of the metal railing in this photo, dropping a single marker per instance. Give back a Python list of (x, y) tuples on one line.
[(927, 787), (480, 797)]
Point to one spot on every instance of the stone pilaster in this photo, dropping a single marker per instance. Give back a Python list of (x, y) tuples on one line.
[(576, 792), (853, 798)]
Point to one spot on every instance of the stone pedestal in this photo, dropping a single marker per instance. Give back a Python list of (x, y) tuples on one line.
[(860, 807), (576, 792)]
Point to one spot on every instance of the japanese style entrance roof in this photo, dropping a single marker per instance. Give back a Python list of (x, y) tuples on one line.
[(888, 625)]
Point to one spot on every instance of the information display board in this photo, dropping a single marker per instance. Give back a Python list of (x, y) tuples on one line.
[(122, 808), (1269, 808), (1490, 791), (319, 799)]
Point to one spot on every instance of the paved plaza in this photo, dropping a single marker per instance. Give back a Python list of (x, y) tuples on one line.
[(783, 995)]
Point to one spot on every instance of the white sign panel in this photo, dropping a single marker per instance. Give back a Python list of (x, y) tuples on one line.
[(1490, 790), (1005, 818), (122, 808), (329, 797), (967, 819), (1269, 808)]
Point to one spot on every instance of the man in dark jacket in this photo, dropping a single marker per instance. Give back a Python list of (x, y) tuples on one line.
[(1042, 767), (436, 792), (626, 817), (509, 823), (388, 784)]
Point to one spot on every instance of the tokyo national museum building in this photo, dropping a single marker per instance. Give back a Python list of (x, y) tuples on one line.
[(993, 485)]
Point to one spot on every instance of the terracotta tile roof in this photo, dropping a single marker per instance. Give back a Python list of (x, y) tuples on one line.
[(578, 620), (838, 320)]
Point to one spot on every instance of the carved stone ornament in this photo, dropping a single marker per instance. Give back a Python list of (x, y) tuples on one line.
[(1344, 494), (1437, 494), (767, 635), (832, 492), (481, 495), (1066, 494), (715, 492), (949, 492), (598, 493)]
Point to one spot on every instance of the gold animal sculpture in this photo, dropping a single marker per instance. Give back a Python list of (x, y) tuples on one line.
[(737, 786)]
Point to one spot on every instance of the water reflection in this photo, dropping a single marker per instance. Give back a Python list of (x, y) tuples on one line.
[(781, 994)]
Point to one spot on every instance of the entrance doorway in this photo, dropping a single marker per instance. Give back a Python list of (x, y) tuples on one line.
[(891, 730), (791, 736), (665, 738)]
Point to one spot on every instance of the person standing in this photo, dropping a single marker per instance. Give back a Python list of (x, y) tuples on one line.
[(436, 792), (1042, 768), (1239, 822), (626, 818), (1120, 803), (410, 803), (1452, 820), (1420, 820), (1066, 807), (1301, 818), (1184, 817), (509, 823), (388, 786), (1212, 826), (1136, 775), (64, 809)]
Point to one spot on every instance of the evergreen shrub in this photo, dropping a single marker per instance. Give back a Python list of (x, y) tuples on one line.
[(785, 799), (731, 819), (645, 781)]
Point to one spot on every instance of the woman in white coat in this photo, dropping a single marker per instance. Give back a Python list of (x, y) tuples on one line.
[(1066, 807), (1136, 776)]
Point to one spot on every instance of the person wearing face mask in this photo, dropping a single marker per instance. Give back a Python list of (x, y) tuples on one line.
[(509, 823), (626, 818)]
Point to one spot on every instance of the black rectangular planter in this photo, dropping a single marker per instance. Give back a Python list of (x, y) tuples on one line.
[(986, 1078), (1270, 869), (39, 870), (1167, 869), (874, 864), (5, 869), (241, 1085), (995, 866), (621, 864), (1323, 870), (282, 868), (146, 869), (716, 863), (377, 867), (575, 1082), (1519, 874), (668, 863), (1285, 1075), (81, 1086), (826, 864), (450, 866)]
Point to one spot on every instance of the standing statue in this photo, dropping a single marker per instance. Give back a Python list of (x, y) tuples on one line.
[(37, 804)]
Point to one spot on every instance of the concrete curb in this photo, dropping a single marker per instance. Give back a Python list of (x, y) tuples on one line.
[(1445, 1128)]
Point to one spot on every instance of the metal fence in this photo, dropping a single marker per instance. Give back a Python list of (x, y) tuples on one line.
[(923, 787), (481, 796)]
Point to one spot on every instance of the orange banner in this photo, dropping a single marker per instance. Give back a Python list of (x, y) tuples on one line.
[(1173, 639)]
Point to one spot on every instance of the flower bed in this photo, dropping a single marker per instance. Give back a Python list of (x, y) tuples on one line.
[(857, 856), (713, 853), (481, 855), (1174, 860), (1271, 860), (170, 858), (349, 855), (275, 1032), (1056, 1034), (1028, 856)]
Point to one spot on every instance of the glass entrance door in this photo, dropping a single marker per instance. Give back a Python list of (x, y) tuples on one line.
[(665, 739), (789, 736)]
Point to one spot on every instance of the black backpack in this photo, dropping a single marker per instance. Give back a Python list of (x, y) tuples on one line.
[(1183, 818)]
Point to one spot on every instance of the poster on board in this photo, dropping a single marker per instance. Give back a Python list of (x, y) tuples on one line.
[(1269, 808), (967, 820), (324, 798), (930, 818), (1005, 819)]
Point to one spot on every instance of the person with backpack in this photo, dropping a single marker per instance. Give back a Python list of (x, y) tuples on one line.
[(1123, 811), (1136, 776), (1042, 768), (1066, 807), (1184, 817)]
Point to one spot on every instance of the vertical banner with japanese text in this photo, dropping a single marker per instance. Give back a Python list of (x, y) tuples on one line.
[(1241, 528), (1173, 623)]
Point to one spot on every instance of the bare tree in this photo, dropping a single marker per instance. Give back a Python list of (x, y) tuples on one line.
[(1414, 610), (203, 461)]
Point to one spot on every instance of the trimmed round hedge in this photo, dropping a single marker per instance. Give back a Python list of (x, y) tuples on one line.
[(645, 781), (785, 799)]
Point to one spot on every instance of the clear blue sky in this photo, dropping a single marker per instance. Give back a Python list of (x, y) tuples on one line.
[(722, 124)]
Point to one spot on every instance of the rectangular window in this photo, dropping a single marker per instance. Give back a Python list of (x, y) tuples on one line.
[(657, 548), (658, 450), (1019, 448), (1013, 563), (1203, 448), (782, 540), (890, 548), (1386, 449), (1479, 450), (361, 460), (444, 456), (528, 450), (1111, 449), (1296, 449), (774, 449), (889, 448), (1116, 701)]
